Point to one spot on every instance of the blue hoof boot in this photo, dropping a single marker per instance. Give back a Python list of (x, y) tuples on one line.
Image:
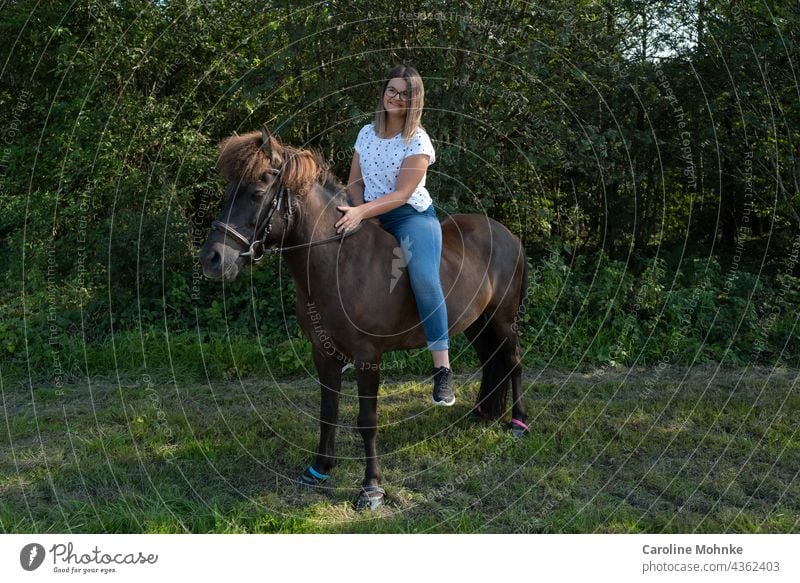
[(311, 479), (370, 498), (518, 428)]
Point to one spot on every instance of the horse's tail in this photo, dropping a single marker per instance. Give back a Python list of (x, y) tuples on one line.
[(523, 288), (496, 375)]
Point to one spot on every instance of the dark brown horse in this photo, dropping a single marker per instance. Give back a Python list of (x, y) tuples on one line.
[(350, 303)]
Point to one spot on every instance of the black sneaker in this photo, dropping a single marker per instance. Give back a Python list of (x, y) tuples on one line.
[(443, 393)]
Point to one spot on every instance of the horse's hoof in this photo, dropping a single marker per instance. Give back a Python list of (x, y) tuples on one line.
[(518, 429), (311, 479), (478, 415), (370, 498)]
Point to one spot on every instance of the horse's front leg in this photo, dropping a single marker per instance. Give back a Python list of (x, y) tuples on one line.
[(368, 376), (329, 370)]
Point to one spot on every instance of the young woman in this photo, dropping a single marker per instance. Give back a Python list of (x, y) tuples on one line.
[(387, 180)]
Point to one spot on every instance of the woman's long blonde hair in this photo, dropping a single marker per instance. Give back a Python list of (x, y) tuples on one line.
[(413, 106)]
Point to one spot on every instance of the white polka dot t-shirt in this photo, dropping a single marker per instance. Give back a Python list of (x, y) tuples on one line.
[(381, 160)]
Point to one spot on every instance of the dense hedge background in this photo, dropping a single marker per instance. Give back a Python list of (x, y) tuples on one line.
[(648, 152)]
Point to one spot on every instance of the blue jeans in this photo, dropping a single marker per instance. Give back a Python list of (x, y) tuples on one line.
[(419, 235)]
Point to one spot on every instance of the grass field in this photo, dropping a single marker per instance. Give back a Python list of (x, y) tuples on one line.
[(701, 450)]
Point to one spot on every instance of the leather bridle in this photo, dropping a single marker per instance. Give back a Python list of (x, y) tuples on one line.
[(255, 249)]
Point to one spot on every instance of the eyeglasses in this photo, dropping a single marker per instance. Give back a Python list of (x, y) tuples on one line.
[(394, 93)]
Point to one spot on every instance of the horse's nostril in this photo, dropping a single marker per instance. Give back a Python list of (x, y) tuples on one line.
[(210, 258), (214, 258)]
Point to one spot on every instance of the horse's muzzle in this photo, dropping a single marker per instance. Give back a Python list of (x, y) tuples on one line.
[(220, 262)]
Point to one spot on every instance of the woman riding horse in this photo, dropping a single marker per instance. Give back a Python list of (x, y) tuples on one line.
[(387, 180)]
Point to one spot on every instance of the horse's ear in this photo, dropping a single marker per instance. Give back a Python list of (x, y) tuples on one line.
[(271, 148)]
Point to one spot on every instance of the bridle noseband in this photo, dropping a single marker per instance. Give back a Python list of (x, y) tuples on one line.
[(256, 249)]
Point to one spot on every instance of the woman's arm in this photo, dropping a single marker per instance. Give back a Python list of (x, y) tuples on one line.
[(411, 172), (355, 184)]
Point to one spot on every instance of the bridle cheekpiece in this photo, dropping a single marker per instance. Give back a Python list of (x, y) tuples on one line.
[(255, 248)]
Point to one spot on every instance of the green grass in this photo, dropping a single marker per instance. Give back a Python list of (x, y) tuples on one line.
[(717, 451)]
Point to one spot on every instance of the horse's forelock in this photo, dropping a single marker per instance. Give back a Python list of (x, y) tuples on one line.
[(241, 158)]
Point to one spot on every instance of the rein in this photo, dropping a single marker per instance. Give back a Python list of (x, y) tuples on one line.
[(255, 249)]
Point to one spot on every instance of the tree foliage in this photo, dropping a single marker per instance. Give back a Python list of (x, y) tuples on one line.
[(620, 127)]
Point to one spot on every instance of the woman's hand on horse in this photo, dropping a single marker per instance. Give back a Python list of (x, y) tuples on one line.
[(351, 219)]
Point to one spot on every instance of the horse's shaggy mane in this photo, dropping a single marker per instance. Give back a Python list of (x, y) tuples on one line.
[(241, 160)]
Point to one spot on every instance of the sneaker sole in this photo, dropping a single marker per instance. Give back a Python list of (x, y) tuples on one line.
[(443, 403)]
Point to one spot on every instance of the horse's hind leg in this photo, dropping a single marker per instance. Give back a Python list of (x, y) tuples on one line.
[(508, 337), (481, 337), (496, 341), (329, 370)]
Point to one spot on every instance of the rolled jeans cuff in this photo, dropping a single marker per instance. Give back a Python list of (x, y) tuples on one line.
[(439, 345)]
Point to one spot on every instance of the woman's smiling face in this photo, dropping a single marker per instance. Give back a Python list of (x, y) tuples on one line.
[(396, 96)]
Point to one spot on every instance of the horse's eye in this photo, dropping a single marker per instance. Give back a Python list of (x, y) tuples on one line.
[(257, 195)]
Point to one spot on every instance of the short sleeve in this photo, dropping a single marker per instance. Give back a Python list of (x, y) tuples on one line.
[(420, 143), (360, 139)]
